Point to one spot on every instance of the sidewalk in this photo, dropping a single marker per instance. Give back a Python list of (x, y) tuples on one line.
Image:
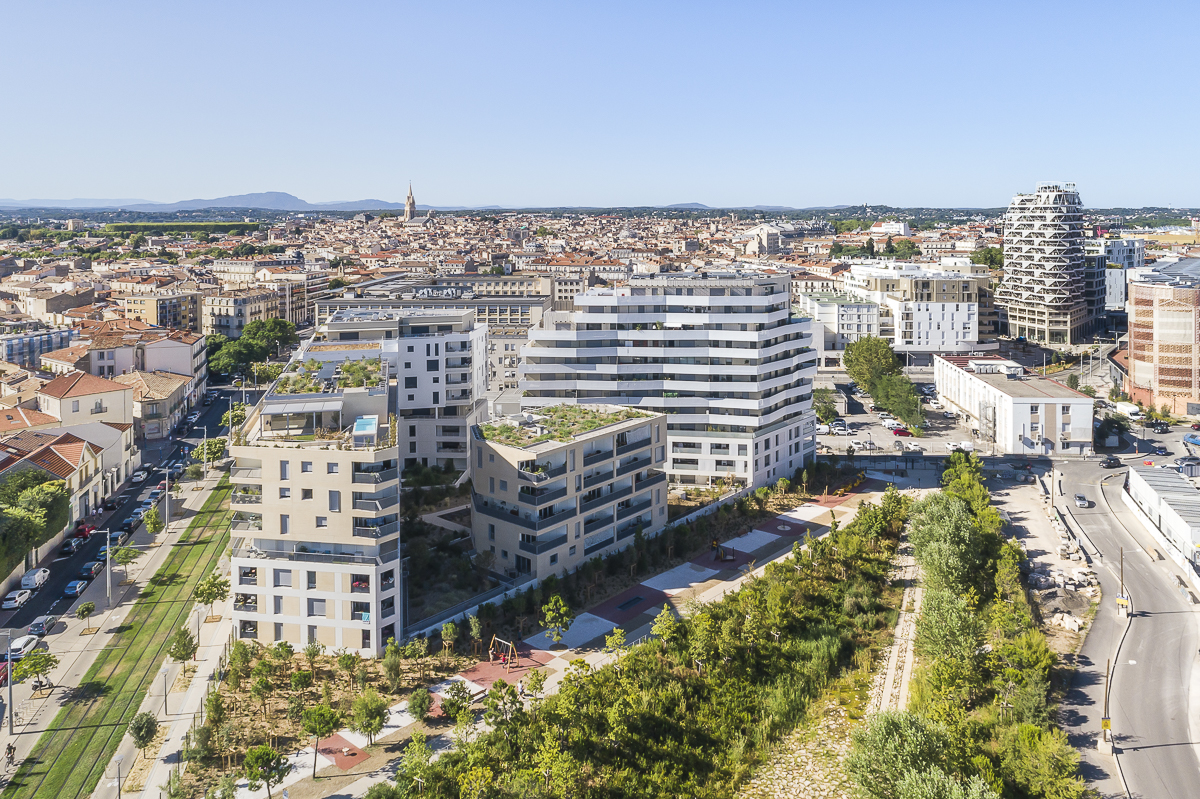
[(76, 651)]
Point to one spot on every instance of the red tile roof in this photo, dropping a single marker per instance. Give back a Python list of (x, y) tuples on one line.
[(79, 384)]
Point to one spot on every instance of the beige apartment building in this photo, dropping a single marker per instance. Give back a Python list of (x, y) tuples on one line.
[(229, 312), (1164, 345), (178, 310), (554, 488), (315, 531)]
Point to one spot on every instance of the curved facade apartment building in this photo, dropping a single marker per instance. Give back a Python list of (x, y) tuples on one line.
[(1164, 345), (720, 354)]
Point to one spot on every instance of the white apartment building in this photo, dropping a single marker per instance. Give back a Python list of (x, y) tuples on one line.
[(315, 532), (1120, 257), (921, 311), (719, 353), (547, 504), (1010, 412), (843, 319), (439, 359)]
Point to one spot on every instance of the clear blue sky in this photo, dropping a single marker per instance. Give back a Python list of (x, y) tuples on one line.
[(614, 103)]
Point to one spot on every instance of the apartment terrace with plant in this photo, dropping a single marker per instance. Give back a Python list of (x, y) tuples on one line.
[(315, 532), (719, 353), (554, 488)]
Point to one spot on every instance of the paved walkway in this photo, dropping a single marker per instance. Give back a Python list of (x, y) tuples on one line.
[(705, 579)]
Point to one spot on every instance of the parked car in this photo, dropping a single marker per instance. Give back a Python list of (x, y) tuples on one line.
[(102, 555), (117, 538), (1081, 501), (1196, 425), (91, 569), (822, 429), (949, 415), (110, 504), (75, 588), (912, 446), (20, 647), (35, 578), (902, 431), (937, 406), (42, 625), (140, 476), (1160, 450), (154, 495), (70, 547), (16, 599)]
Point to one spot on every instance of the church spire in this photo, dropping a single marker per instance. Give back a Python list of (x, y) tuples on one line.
[(410, 205)]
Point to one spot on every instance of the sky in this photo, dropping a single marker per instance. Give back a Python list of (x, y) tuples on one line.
[(602, 104)]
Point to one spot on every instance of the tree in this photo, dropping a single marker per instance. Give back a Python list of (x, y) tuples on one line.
[(665, 626), (348, 662), (419, 702), (137, 241), (988, 256), (948, 627), (234, 417), (265, 766), (868, 359), (449, 635), (1041, 762), (142, 729), (337, 283), (890, 744), (368, 714), (183, 645), (502, 706), (38, 663), (535, 683), (1073, 381), (456, 699), (1089, 390), (823, 404), (320, 722), (84, 611), (212, 589), (272, 334), (556, 618), (937, 784), (476, 628), (302, 680), (384, 790), (869, 248), (261, 690), (414, 763), (214, 448), (124, 556), (473, 783), (153, 521)]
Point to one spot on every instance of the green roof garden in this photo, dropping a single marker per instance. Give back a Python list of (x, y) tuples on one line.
[(556, 423)]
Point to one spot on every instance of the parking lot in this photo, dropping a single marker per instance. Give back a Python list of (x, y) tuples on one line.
[(866, 432)]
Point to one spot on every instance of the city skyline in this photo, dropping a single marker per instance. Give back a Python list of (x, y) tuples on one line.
[(767, 104)]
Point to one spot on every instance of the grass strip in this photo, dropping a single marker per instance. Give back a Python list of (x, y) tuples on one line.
[(69, 759)]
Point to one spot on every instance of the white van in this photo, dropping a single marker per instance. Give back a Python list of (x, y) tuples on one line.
[(822, 429), (35, 579)]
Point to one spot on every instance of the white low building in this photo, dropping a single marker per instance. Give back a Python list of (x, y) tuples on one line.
[(1171, 504), (838, 320), (1011, 412)]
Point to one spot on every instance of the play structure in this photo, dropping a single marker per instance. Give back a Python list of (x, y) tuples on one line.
[(507, 652), (722, 552)]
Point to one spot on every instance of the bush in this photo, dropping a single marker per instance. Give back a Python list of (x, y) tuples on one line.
[(419, 702)]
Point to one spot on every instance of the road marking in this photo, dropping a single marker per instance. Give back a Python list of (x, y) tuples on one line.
[(1133, 663)]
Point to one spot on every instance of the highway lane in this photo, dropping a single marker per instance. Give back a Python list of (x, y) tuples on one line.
[(1151, 697), (50, 598)]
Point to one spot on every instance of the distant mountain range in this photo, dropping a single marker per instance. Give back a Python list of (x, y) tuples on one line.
[(282, 201)]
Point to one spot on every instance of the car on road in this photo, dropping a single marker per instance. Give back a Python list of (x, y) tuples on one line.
[(42, 625), (901, 431), (949, 415), (1161, 451), (937, 406), (102, 555), (1111, 462), (1196, 425), (84, 531), (20, 647), (110, 504), (137, 514), (70, 547), (154, 495), (16, 599), (1081, 501), (75, 588), (91, 569), (1187, 459), (117, 538), (140, 477), (128, 525)]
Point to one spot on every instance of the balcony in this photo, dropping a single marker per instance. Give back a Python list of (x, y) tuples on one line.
[(247, 498), (246, 603), (360, 584), (248, 576), (688, 467), (599, 545), (633, 446), (597, 479), (511, 515), (376, 504), (633, 466), (597, 457), (382, 476), (597, 524), (542, 545), (99, 409), (453, 448), (246, 474), (652, 480), (245, 526), (541, 476), (314, 557), (584, 507), (536, 498), (637, 507), (376, 532)]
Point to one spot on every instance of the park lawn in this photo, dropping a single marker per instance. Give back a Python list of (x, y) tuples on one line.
[(70, 758)]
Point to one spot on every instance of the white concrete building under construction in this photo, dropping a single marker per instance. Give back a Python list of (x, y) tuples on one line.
[(719, 353)]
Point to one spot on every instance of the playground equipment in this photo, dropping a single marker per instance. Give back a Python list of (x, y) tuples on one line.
[(722, 552), (507, 651)]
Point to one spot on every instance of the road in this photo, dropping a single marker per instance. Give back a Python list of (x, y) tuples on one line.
[(50, 598), (1152, 697)]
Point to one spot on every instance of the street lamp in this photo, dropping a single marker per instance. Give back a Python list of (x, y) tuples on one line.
[(118, 759), (164, 676), (8, 663)]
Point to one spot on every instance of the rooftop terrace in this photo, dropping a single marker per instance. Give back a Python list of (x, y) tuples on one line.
[(561, 423)]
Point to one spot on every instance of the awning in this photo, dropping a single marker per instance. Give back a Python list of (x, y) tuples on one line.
[(302, 407)]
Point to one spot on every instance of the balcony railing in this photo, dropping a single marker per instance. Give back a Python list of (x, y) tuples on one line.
[(313, 557), (100, 410), (376, 477), (244, 473), (536, 499), (376, 532), (633, 466), (596, 524), (597, 479), (633, 446), (637, 507), (584, 507), (376, 504), (512, 516), (599, 545), (597, 457), (542, 545), (245, 499), (653, 479), (538, 477), (246, 607)]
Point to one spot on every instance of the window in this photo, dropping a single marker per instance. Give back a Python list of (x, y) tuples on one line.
[(412, 432), (283, 578), (279, 603), (335, 501), (554, 559), (322, 521), (410, 382), (316, 607), (312, 580), (741, 449), (503, 485), (283, 524), (412, 447), (285, 493), (436, 397), (278, 631), (491, 485), (283, 470), (491, 532), (305, 466), (312, 633), (331, 468), (504, 554), (431, 365), (412, 397), (571, 552), (387, 607), (306, 493), (75, 406)]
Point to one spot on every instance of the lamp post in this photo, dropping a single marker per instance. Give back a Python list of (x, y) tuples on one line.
[(8, 664), (164, 676), (118, 759)]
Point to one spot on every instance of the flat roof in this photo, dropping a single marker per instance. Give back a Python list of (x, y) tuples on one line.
[(1027, 386)]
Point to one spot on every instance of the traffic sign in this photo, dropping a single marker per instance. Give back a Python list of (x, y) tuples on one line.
[(1122, 601), (1105, 724)]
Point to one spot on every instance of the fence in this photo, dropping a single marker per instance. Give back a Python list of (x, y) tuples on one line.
[(713, 507)]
